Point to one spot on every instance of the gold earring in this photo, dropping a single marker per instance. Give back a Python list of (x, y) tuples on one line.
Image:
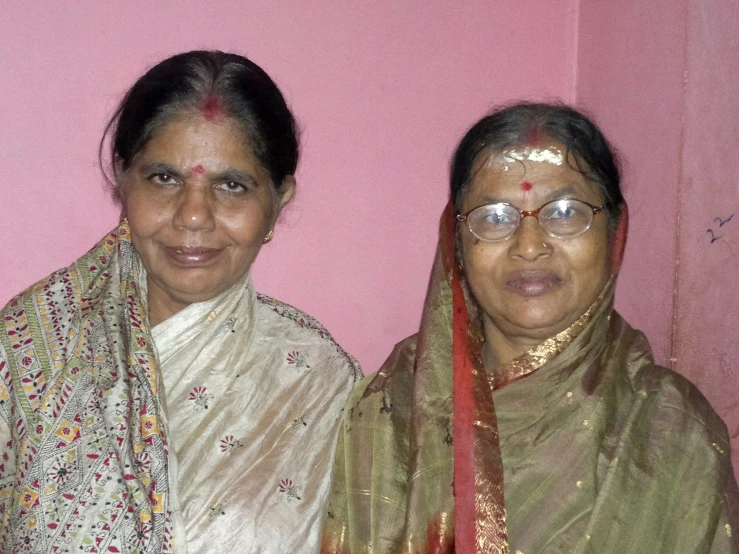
[(268, 237)]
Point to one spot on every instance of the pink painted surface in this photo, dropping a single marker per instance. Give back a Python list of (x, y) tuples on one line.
[(661, 79), (382, 89), (707, 308), (630, 78)]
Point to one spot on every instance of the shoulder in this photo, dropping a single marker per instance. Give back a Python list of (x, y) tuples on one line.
[(681, 422), (674, 394), (662, 392), (680, 446), (41, 318), (62, 282), (304, 328), (64, 293), (389, 389)]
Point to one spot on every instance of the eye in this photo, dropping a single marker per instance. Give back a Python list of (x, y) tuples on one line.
[(233, 187), (162, 179), (498, 217), (562, 210)]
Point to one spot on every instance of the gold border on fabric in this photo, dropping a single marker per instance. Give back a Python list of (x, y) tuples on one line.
[(535, 358)]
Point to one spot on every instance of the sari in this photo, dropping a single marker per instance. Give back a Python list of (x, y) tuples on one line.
[(581, 445), (215, 430)]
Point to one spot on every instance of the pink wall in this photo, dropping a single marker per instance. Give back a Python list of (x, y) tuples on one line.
[(661, 77), (383, 90), (631, 59), (707, 310)]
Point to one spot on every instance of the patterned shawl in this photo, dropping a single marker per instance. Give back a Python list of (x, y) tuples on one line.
[(78, 398), (255, 390), (569, 448)]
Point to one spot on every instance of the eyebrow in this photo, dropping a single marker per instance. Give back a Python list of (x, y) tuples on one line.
[(159, 167), (234, 175), (562, 193)]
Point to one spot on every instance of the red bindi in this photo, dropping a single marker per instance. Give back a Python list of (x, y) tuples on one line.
[(198, 169), (212, 108), (526, 186)]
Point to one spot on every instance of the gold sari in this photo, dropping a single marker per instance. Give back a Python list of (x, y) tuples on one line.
[(580, 445)]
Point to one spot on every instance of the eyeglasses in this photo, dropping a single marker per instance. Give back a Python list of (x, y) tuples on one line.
[(562, 219)]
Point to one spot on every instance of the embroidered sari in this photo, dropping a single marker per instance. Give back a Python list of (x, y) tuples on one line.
[(581, 445), (213, 431)]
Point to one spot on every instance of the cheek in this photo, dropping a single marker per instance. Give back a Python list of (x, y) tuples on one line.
[(143, 215), (480, 261), (247, 226), (589, 263)]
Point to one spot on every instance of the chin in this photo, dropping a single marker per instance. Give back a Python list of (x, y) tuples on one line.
[(542, 323), (538, 329)]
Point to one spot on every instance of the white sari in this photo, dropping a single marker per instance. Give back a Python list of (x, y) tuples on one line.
[(253, 391)]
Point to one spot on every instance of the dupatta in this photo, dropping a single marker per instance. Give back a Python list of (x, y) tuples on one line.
[(80, 407), (418, 433)]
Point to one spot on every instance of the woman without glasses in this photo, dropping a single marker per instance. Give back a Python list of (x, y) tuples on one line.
[(526, 415), (152, 401)]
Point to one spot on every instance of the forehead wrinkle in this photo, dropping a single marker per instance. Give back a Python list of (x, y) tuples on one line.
[(190, 127), (483, 161), (558, 194), (543, 175)]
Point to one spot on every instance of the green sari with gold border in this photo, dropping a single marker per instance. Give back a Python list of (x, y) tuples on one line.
[(582, 445)]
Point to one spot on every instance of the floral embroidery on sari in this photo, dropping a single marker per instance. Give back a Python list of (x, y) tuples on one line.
[(200, 397), (307, 322), (298, 360), (289, 489), (229, 444)]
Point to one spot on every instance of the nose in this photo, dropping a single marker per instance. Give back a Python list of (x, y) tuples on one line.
[(530, 241), (195, 210)]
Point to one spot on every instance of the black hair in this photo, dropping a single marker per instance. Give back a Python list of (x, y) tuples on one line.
[(205, 80), (516, 125)]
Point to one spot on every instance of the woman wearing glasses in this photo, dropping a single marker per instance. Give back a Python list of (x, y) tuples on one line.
[(526, 415)]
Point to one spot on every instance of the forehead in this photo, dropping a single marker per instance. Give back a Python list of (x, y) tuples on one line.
[(194, 136), (522, 172)]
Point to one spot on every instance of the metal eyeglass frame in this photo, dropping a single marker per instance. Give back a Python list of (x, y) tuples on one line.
[(534, 213)]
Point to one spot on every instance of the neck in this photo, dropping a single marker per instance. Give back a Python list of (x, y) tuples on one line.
[(161, 305), (500, 349)]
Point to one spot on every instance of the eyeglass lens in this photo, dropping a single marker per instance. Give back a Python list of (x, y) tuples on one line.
[(561, 219)]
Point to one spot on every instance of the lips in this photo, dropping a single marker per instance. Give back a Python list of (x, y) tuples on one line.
[(533, 282), (191, 256)]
